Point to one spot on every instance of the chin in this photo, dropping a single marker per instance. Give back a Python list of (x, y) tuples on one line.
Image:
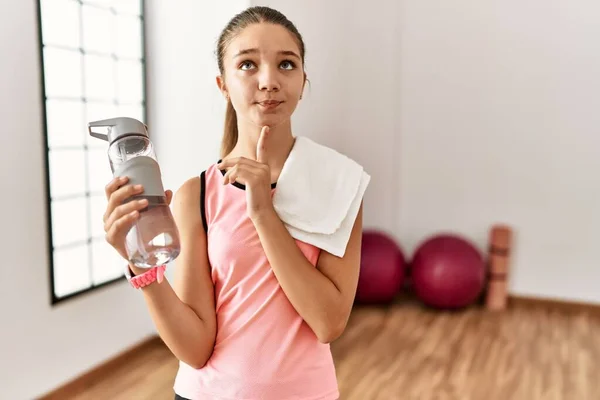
[(271, 120)]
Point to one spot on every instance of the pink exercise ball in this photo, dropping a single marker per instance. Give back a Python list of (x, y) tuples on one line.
[(447, 272), (382, 268)]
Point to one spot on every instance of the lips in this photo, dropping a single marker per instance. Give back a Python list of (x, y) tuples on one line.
[(270, 102)]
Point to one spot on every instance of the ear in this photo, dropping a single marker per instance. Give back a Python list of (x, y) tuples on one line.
[(221, 86), (303, 85)]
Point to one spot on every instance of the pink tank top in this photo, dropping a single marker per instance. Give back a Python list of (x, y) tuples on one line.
[(264, 350)]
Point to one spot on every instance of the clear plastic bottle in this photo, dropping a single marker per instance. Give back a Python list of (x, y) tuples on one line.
[(153, 239)]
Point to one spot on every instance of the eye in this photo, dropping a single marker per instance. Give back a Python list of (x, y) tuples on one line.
[(287, 64), (246, 65)]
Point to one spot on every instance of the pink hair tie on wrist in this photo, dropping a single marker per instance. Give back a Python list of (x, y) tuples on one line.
[(148, 277)]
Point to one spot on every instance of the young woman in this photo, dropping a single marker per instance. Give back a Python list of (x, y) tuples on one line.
[(252, 311)]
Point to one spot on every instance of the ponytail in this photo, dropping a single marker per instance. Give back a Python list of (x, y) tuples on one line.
[(230, 134)]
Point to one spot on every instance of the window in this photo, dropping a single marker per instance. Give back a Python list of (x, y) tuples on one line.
[(93, 67)]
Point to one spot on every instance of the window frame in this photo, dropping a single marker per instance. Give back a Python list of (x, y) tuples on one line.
[(50, 248)]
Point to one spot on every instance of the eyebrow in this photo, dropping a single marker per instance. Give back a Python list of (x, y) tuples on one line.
[(255, 50)]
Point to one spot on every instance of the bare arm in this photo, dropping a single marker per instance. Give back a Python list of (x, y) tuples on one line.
[(323, 296), (184, 315)]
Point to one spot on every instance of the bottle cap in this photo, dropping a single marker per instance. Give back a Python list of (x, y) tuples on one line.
[(118, 128)]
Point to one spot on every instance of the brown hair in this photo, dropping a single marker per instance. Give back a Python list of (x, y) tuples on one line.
[(252, 15)]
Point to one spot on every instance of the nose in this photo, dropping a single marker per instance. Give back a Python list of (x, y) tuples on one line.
[(268, 80)]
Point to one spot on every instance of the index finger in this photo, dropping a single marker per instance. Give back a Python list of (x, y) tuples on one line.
[(261, 150), (113, 185)]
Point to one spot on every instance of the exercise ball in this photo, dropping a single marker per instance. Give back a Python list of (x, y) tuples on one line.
[(448, 272), (382, 267)]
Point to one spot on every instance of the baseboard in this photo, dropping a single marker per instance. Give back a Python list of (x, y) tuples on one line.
[(89, 378), (562, 305)]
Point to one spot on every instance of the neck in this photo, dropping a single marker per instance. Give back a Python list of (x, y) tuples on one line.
[(279, 144)]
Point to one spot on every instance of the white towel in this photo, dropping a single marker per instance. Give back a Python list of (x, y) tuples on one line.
[(319, 192)]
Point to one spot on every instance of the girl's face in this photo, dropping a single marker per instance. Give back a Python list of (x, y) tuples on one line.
[(264, 77)]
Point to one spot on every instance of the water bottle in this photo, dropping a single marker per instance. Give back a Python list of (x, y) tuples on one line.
[(153, 240)]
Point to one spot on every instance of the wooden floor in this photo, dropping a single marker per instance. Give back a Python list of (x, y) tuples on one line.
[(527, 353), (409, 352)]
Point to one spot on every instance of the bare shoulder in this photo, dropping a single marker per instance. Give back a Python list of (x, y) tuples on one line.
[(186, 201)]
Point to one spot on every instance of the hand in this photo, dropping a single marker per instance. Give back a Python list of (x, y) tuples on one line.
[(255, 175), (121, 215)]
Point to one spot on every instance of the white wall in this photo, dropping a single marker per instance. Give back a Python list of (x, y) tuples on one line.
[(499, 122), (185, 108), (41, 346), (467, 114)]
